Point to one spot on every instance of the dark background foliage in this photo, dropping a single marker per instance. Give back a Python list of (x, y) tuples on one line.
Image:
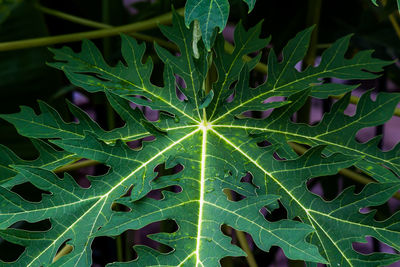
[(24, 78)]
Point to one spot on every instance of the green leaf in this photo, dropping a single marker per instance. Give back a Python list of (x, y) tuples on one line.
[(49, 124), (48, 159), (210, 14), (216, 146)]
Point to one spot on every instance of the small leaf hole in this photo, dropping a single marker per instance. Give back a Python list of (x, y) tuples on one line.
[(40, 226), (275, 215)]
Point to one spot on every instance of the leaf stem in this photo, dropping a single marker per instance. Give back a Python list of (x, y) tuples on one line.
[(99, 25), (105, 32), (72, 18)]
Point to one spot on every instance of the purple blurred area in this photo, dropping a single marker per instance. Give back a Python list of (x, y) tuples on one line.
[(129, 5)]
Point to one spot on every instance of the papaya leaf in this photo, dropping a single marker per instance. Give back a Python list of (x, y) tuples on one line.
[(215, 144)]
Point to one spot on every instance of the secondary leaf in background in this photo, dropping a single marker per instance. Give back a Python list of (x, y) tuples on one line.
[(215, 149), (210, 14)]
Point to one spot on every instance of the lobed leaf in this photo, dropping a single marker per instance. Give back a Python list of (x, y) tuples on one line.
[(216, 145)]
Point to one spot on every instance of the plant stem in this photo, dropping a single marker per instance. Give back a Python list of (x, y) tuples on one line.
[(72, 18), (106, 32), (99, 25), (120, 249)]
